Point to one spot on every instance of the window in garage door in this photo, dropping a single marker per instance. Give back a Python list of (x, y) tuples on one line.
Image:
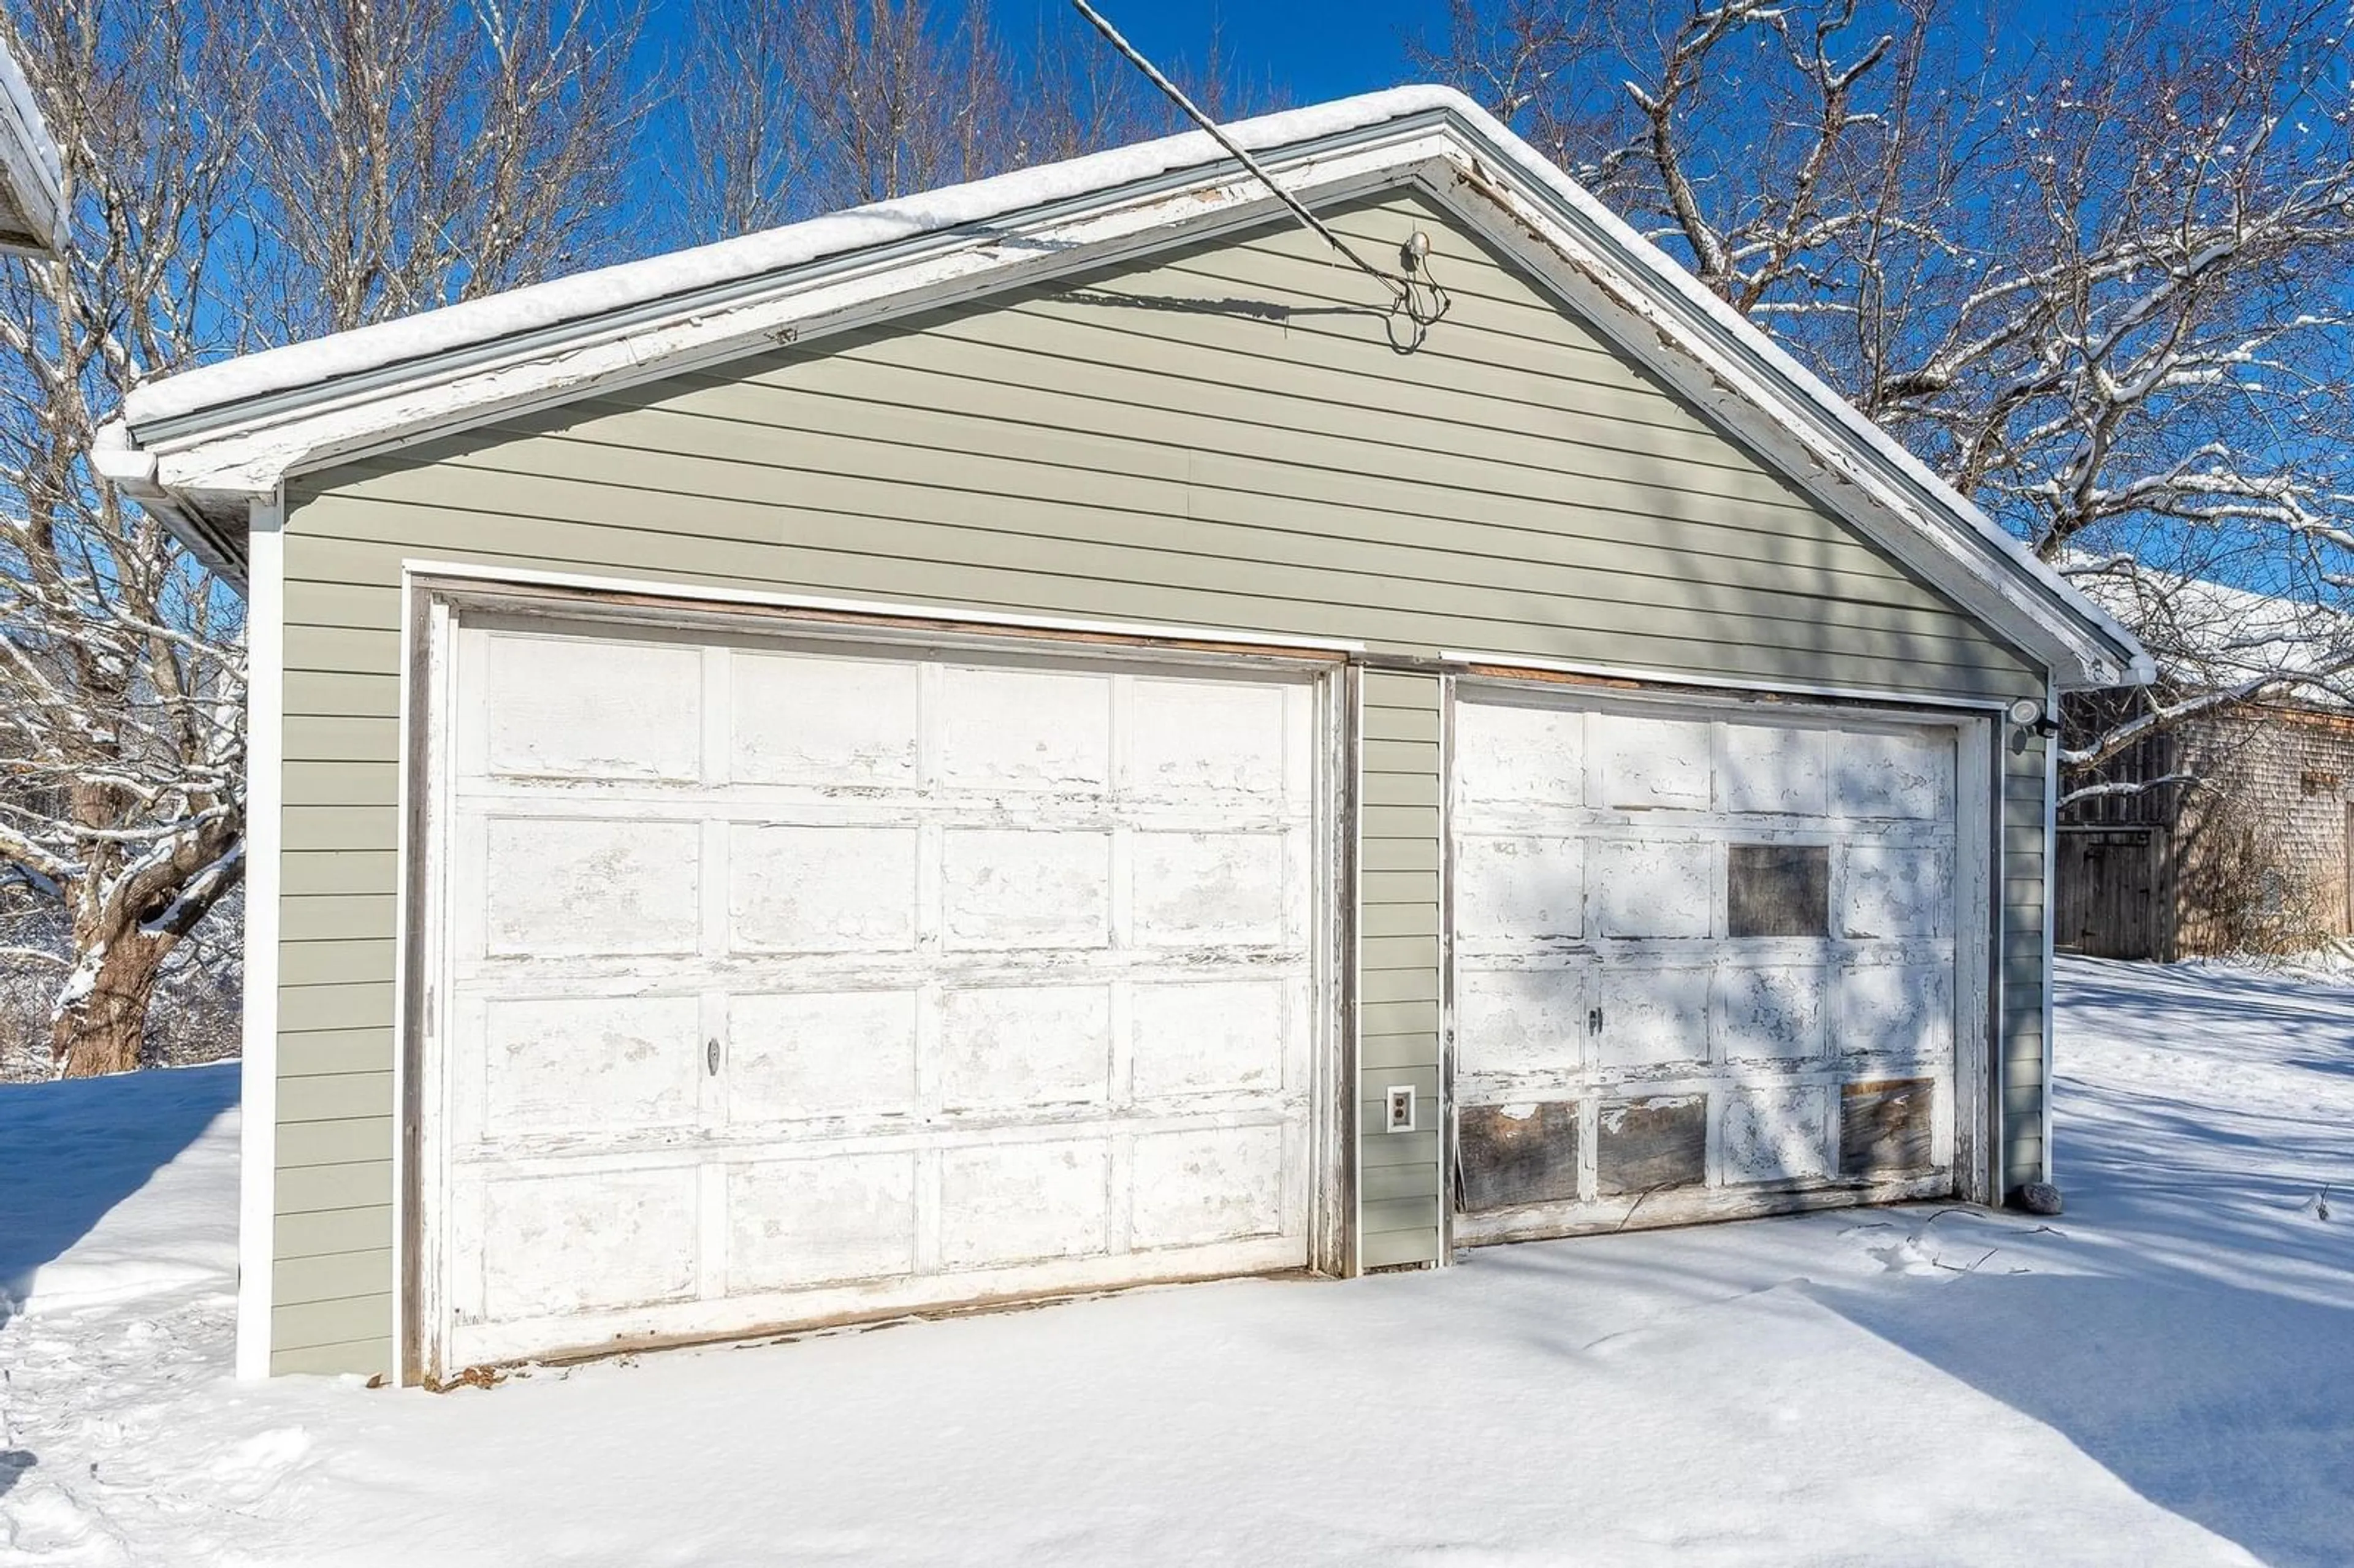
[(1705, 960), (789, 982)]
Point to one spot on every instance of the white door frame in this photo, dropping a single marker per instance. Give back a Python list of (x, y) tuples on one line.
[(436, 599), (1975, 725)]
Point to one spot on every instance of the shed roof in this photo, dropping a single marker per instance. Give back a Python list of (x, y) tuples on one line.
[(198, 448)]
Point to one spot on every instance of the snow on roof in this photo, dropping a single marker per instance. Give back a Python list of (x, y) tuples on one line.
[(30, 167), (2210, 635), (609, 289)]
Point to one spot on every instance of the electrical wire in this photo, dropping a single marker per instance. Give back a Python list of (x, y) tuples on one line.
[(1406, 294)]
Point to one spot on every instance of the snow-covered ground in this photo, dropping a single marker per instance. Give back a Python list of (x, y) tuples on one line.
[(2164, 1376)]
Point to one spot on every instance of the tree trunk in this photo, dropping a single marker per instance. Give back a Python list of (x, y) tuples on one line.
[(101, 1030)]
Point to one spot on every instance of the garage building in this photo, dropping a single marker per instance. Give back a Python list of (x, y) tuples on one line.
[(1043, 737)]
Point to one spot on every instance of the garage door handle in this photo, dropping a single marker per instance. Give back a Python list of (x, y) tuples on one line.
[(711, 1055)]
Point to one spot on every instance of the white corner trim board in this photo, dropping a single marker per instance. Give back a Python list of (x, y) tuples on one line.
[(245, 426), (258, 1073)]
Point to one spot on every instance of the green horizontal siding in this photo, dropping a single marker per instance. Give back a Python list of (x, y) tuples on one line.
[(1199, 439), (1400, 978)]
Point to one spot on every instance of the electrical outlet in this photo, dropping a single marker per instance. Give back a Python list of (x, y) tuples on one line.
[(1401, 1109)]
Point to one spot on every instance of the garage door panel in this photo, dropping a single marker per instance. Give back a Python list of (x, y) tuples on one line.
[(1224, 739), (1893, 774), (795, 1224), (1522, 1021), (1208, 1186), (1770, 1012), (1026, 1046), (1652, 1016), (569, 1065), (1025, 729), (1776, 1134), (1775, 769), (575, 707), (556, 887), (1893, 1010), (1218, 1037), (1025, 889), (821, 889), (811, 1057), (1212, 889), (1514, 888), (1638, 887), (1517, 756), (1649, 764), (1897, 891), (1019, 1202), (841, 723), (553, 1245)]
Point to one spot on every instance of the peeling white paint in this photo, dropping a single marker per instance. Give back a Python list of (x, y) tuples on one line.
[(1890, 774), (1652, 886), (1769, 1013), (1519, 755), (1200, 888), (1014, 1203), (1206, 1037), (1047, 888), (633, 711), (849, 723), (1776, 1135), (1520, 886), (799, 1057), (581, 1063), (793, 1224), (1188, 739), (1898, 891), (1214, 1184), (1521, 1021), (553, 1245), (1642, 996), (1644, 764), (1020, 1046), (1776, 768), (821, 889), (1025, 729), (559, 887)]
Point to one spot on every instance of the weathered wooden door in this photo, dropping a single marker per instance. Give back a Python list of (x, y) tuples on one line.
[(1704, 962), (793, 982)]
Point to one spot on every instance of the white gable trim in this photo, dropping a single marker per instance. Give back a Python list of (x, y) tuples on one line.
[(195, 447)]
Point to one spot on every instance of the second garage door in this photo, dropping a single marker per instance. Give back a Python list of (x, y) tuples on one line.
[(791, 981), (1704, 964)]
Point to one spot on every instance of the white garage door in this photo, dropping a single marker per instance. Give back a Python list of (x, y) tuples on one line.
[(1704, 962), (794, 982)]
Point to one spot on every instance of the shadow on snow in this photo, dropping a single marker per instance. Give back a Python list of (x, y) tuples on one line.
[(83, 1145)]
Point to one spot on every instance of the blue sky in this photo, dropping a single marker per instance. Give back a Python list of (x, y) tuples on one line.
[(1309, 49), (1315, 50)]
